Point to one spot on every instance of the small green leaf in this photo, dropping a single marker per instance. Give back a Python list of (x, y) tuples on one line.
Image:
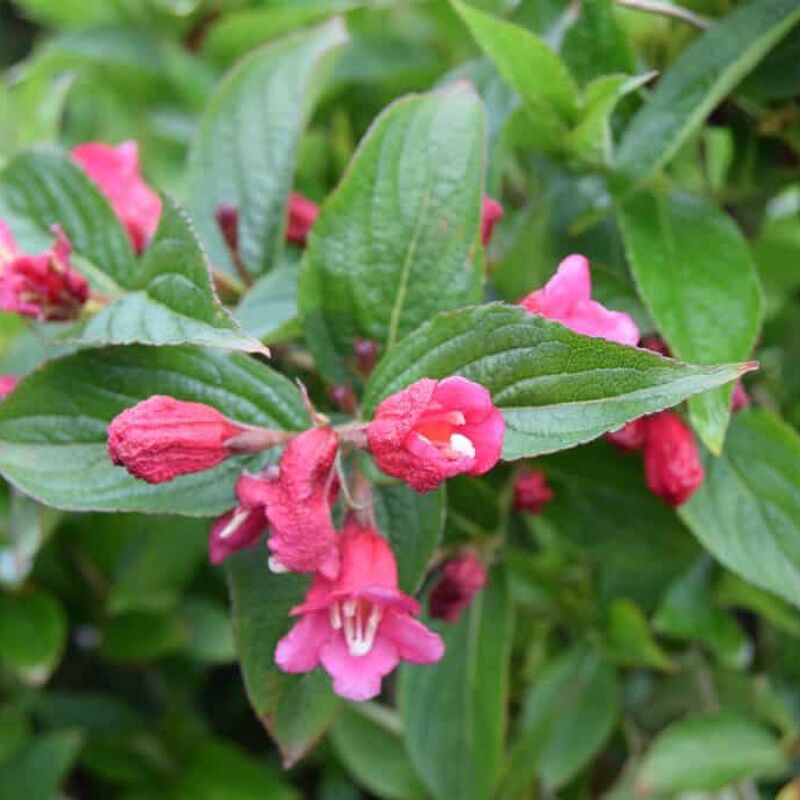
[(707, 753), (455, 710), (210, 632), (556, 389), (40, 767), (397, 241), (704, 73), (15, 730), (747, 512), (269, 309), (53, 429), (142, 636), (246, 145), (627, 639), (696, 275)]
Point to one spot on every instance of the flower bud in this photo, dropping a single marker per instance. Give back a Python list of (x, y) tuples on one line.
[(7, 385), (227, 217), (630, 436), (491, 214), (161, 438), (235, 530), (672, 465), (366, 351), (531, 491), (344, 398), (462, 578), (739, 397), (433, 430), (657, 345), (301, 216)]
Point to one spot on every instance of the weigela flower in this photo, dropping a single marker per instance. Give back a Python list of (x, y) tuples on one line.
[(433, 430), (116, 172), (631, 436), (42, 286), (359, 626), (567, 298), (739, 397), (161, 437), (491, 214), (296, 502), (7, 385), (531, 491), (672, 465), (301, 216), (235, 530), (462, 578)]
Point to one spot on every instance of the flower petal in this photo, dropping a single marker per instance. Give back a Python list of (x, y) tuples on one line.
[(414, 642), (299, 650), (359, 677)]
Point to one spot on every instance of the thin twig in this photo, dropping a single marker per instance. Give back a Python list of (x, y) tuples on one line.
[(667, 10)]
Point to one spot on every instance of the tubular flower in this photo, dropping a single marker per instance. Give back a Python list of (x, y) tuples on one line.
[(43, 286), (116, 172), (672, 465), (433, 430), (567, 298), (462, 578), (161, 437), (359, 626), (235, 530), (297, 504), (631, 436), (301, 216), (491, 214), (531, 492)]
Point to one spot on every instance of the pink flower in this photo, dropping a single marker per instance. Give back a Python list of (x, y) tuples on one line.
[(672, 465), (359, 626), (433, 430), (657, 345), (531, 492), (160, 438), (739, 397), (116, 172), (567, 298), (297, 504), (630, 436), (302, 213), (491, 214), (235, 530), (7, 385), (462, 578), (43, 286)]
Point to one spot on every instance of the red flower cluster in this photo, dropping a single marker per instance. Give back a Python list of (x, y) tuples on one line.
[(531, 491), (462, 578), (355, 621)]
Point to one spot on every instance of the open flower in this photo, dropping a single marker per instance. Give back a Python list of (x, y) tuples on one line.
[(161, 437), (433, 430), (296, 500), (301, 216), (567, 298), (359, 626), (42, 286), (462, 578), (235, 530), (491, 214), (117, 173), (672, 463), (531, 491)]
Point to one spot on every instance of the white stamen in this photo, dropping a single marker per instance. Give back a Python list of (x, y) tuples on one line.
[(276, 566), (461, 445), (336, 617), (360, 637), (239, 516), (349, 607), (348, 629)]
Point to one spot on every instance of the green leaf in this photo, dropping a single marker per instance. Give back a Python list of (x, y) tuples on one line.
[(708, 753), (295, 709), (210, 631), (15, 730), (627, 639), (555, 388), (568, 715), (142, 636), (53, 428), (704, 74), (33, 633), (269, 309), (455, 710), (42, 188), (413, 523), (747, 512), (39, 768), (246, 144), (368, 739), (397, 241), (170, 298), (547, 89), (29, 527), (694, 271)]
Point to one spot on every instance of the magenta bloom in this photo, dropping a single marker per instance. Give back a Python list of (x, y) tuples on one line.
[(297, 504), (672, 463), (567, 298), (301, 216), (7, 385), (739, 397), (631, 436), (491, 214), (359, 626), (116, 172), (235, 530), (42, 286), (433, 430), (531, 491), (161, 437), (462, 578)]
